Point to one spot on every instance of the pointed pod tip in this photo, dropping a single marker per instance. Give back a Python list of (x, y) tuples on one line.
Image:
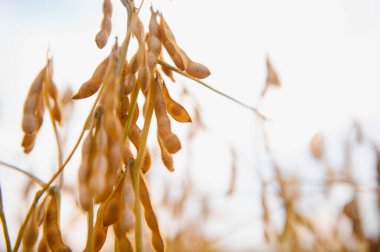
[(75, 97)]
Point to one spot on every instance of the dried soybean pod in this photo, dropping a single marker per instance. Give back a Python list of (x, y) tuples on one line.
[(143, 77), (166, 157), (91, 86), (147, 161), (28, 142), (169, 139), (174, 54), (85, 197), (178, 61), (151, 60), (98, 183), (107, 8), (100, 232), (101, 39), (126, 221), (32, 229), (52, 88), (124, 244), (176, 110), (29, 123), (29, 120), (39, 113), (137, 29), (30, 104), (150, 216), (154, 27), (51, 225), (114, 156), (173, 51), (154, 45), (113, 128), (134, 135), (36, 86), (53, 93), (129, 83), (166, 32), (43, 245), (113, 206), (197, 70), (170, 44), (57, 112), (106, 25), (137, 60), (122, 106)]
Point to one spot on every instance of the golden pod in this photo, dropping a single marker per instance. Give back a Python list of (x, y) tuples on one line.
[(197, 70)]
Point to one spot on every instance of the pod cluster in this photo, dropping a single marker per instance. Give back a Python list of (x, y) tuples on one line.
[(42, 94), (113, 138), (46, 215)]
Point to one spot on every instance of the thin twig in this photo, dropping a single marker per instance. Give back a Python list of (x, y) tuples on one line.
[(29, 175), (4, 223), (54, 125), (140, 6), (173, 68)]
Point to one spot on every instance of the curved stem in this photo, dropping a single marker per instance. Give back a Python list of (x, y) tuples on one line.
[(4, 223), (173, 68), (140, 6), (29, 175), (139, 160)]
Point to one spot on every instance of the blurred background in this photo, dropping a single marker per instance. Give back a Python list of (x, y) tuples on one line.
[(308, 178)]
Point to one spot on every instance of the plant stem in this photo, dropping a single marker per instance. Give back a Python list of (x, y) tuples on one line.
[(131, 15), (90, 228), (62, 167), (4, 223), (29, 175), (173, 68), (46, 82), (139, 160)]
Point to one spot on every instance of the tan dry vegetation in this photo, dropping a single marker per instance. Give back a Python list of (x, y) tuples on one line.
[(113, 189)]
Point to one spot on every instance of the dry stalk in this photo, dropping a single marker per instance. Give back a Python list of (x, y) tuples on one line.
[(4, 224)]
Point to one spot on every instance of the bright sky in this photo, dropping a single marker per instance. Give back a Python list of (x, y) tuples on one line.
[(327, 54)]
